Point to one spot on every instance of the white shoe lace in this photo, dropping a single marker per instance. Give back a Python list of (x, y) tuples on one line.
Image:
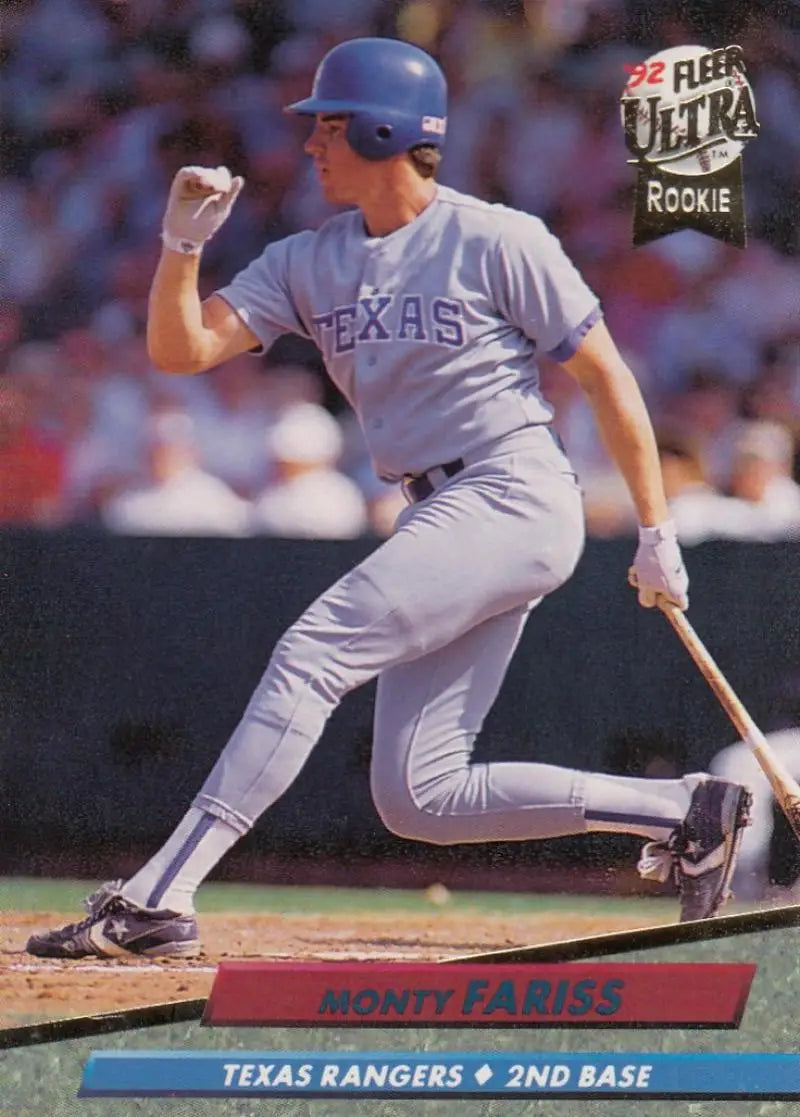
[(656, 862), (102, 894)]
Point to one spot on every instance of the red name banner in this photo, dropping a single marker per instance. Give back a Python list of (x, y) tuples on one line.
[(369, 994)]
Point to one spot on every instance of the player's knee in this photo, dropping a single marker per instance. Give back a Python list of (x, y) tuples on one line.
[(303, 657), (408, 817), (416, 825)]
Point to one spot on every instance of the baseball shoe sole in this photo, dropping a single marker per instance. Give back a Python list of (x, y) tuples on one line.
[(701, 853), (116, 927)]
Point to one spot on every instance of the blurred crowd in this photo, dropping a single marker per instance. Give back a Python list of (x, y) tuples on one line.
[(103, 100)]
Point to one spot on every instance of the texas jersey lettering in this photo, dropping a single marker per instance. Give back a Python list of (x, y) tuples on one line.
[(446, 315), (415, 318)]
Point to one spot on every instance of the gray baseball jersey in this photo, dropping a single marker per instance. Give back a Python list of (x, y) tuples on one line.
[(431, 333)]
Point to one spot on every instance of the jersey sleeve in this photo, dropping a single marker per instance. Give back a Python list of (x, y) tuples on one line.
[(265, 294), (539, 289)]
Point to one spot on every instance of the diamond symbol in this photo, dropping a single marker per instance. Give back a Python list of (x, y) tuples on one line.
[(483, 1074)]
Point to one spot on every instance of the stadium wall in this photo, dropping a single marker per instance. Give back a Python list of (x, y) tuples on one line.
[(125, 664)]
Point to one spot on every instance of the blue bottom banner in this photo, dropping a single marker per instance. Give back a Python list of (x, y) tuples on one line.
[(375, 1074)]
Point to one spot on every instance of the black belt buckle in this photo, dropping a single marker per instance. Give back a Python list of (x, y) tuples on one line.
[(420, 487)]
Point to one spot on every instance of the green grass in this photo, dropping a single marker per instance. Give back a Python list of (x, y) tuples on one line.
[(39, 894)]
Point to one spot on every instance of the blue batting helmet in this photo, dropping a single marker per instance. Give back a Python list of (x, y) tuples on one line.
[(394, 93)]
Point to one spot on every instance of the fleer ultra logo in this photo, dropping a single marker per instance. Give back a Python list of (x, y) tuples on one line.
[(687, 113)]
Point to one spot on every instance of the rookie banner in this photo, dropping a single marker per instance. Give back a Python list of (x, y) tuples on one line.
[(433, 1074), (578, 994)]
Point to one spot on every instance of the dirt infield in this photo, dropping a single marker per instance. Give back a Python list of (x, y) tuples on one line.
[(33, 990)]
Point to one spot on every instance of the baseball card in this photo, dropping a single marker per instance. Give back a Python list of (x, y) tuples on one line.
[(400, 551)]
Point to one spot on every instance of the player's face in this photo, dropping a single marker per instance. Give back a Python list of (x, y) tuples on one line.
[(339, 169)]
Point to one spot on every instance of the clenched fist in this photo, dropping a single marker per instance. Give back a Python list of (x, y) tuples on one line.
[(199, 202)]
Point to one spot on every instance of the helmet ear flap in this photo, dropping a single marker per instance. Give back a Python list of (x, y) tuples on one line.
[(372, 137)]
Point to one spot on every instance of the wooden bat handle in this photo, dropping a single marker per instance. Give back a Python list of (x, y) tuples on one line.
[(785, 788)]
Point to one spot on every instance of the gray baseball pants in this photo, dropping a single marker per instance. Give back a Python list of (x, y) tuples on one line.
[(436, 612)]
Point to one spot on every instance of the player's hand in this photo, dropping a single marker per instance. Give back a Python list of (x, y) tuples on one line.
[(199, 202), (658, 570)]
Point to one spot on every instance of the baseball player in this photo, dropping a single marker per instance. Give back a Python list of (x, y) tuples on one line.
[(429, 307)]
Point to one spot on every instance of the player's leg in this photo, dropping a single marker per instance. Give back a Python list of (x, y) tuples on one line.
[(425, 786), (428, 714), (341, 641)]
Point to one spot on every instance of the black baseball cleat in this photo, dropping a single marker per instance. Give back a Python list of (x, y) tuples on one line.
[(701, 853), (115, 927)]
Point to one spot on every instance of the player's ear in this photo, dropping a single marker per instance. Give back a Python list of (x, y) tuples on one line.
[(426, 159)]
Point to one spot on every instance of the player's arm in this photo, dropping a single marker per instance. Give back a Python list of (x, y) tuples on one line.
[(623, 420), (185, 334), (627, 432)]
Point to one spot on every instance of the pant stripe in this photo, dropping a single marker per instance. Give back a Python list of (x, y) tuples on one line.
[(635, 819), (179, 860), (641, 820)]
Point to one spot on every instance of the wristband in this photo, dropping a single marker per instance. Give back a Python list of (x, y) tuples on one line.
[(658, 533), (180, 244)]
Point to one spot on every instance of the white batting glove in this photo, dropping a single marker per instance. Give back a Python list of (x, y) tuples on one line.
[(199, 202), (658, 569)]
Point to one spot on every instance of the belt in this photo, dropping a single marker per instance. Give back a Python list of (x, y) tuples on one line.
[(420, 486)]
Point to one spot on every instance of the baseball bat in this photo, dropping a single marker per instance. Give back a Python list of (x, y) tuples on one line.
[(785, 789)]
